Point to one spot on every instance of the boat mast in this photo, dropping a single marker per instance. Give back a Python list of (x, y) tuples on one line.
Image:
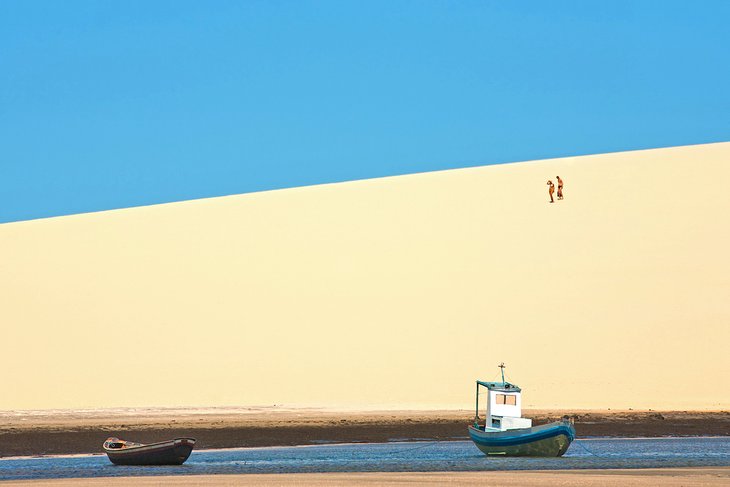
[(476, 414), (501, 366)]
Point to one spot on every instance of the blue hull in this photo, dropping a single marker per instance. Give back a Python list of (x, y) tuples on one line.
[(548, 440)]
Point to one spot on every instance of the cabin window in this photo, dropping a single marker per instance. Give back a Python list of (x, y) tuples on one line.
[(509, 400)]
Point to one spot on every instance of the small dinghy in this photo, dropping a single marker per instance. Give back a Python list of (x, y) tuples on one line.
[(506, 433), (171, 452)]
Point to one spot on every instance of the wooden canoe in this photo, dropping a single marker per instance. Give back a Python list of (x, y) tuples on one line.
[(171, 452)]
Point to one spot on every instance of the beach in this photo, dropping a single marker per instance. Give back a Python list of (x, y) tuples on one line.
[(685, 477), (77, 432), (397, 292)]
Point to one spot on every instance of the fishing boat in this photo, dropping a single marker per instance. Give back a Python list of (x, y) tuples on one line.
[(505, 432), (171, 452)]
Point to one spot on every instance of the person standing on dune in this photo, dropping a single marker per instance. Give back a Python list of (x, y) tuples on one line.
[(551, 190), (560, 188)]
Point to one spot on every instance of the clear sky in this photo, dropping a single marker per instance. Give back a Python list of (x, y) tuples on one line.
[(110, 104)]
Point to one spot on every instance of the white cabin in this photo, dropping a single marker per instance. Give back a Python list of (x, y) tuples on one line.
[(504, 407)]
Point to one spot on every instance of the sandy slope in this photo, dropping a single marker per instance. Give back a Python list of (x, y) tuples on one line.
[(394, 291)]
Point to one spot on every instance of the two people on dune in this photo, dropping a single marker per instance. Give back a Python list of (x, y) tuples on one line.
[(551, 189)]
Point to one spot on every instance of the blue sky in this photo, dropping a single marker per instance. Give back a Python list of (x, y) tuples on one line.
[(111, 104)]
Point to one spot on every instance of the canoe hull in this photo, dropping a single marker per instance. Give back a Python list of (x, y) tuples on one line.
[(173, 452), (550, 440)]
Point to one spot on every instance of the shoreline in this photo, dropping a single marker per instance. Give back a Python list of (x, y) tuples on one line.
[(309, 445), (35, 434)]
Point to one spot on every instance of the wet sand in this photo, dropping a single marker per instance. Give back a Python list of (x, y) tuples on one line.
[(67, 432), (686, 477)]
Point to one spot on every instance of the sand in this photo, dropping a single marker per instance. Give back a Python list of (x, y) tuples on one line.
[(397, 292), (46, 433), (685, 477)]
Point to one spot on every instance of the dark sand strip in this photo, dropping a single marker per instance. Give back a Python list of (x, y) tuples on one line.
[(85, 434)]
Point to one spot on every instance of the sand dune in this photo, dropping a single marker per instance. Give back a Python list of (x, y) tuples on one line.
[(394, 292)]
